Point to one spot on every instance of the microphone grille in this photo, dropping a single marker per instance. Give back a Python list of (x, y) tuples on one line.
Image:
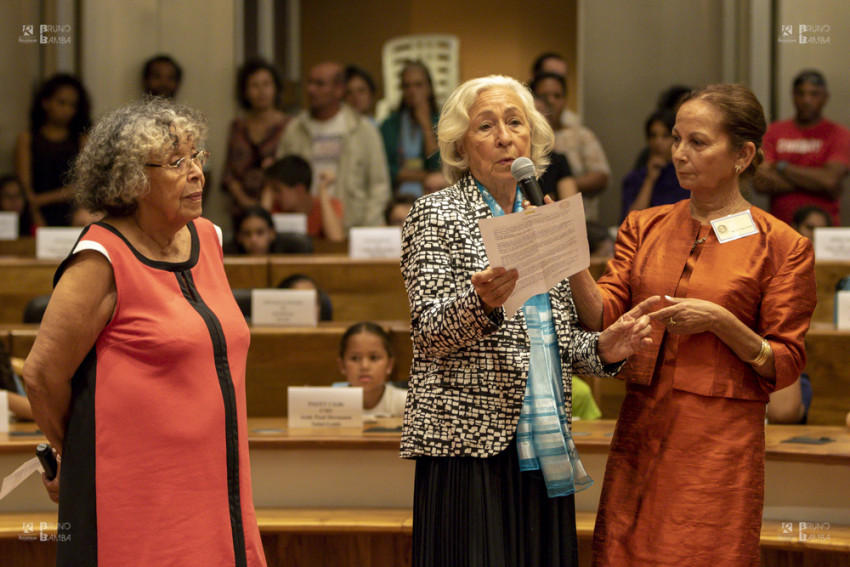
[(521, 168)]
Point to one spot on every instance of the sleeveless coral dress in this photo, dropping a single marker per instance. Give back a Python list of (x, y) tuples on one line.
[(155, 466)]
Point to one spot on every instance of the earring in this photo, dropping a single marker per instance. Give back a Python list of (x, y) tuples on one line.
[(738, 169)]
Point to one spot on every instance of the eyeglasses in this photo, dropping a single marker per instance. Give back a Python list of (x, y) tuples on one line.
[(183, 164)]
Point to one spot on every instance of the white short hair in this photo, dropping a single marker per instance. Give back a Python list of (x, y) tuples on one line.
[(454, 123)]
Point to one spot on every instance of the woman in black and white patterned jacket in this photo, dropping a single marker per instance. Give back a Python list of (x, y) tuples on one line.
[(496, 467)]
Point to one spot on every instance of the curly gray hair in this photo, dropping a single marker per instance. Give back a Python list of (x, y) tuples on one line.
[(109, 174), (454, 122)]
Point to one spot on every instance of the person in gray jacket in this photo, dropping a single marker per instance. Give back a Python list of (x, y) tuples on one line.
[(342, 143), (488, 410)]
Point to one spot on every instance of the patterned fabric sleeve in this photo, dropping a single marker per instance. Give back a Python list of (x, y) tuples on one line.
[(446, 313)]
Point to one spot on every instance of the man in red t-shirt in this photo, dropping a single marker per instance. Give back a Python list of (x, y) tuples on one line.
[(806, 158)]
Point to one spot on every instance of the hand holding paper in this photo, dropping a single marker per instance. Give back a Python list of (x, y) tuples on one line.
[(545, 245)]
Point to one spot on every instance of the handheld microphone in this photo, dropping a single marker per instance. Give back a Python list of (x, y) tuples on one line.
[(523, 171), (48, 460)]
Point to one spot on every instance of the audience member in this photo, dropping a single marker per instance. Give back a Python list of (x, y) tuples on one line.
[(255, 235), (161, 76), (12, 201), (409, 133), (324, 308), (806, 157), (599, 240), (581, 147), (336, 139), (655, 183), (584, 406), (360, 91), (287, 190), (806, 219), (557, 181), (81, 216), (551, 62), (398, 209), (366, 360), (669, 100), (254, 138), (43, 154)]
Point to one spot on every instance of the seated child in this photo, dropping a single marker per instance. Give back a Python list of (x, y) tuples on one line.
[(255, 236), (287, 190), (398, 209), (12, 200), (366, 360)]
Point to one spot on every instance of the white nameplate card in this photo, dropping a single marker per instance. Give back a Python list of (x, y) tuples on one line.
[(290, 222), (325, 408), (4, 411), (8, 225), (284, 307), (842, 310), (832, 244), (734, 226), (375, 242), (55, 243)]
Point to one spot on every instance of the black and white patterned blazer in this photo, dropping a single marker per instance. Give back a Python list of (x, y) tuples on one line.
[(469, 371)]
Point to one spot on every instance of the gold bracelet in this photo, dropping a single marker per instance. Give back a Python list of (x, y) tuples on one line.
[(763, 354)]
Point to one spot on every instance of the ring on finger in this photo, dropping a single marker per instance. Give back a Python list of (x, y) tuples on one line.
[(671, 322)]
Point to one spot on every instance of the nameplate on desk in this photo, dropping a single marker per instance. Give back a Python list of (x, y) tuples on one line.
[(290, 222), (4, 411), (325, 408), (842, 310), (379, 242), (8, 225), (55, 243), (832, 243), (284, 307)]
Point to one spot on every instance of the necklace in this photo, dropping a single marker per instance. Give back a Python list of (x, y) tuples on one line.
[(698, 242)]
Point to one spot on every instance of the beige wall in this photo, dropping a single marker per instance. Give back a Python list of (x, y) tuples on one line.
[(631, 51), (499, 36)]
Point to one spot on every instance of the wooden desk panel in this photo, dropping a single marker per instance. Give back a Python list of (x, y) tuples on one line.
[(828, 367), (283, 357), (247, 272), (22, 280), (827, 275), (359, 289), (23, 247)]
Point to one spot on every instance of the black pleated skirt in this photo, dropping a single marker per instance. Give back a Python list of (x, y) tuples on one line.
[(471, 512)]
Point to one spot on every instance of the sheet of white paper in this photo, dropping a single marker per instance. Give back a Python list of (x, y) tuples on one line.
[(8, 225), (832, 243), (22, 473), (55, 243), (284, 307), (4, 411), (320, 407), (546, 245), (842, 310), (370, 242), (290, 222)]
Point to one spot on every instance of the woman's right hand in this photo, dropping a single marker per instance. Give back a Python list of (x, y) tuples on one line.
[(494, 286)]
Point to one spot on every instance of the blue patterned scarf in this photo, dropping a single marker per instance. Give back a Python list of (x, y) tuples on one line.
[(543, 434)]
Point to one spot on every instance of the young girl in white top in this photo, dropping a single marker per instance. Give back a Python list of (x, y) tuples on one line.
[(366, 360)]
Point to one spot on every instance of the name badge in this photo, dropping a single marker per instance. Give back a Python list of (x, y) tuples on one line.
[(325, 408), (734, 226)]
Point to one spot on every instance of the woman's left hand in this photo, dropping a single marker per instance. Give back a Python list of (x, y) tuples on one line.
[(687, 316), (628, 334)]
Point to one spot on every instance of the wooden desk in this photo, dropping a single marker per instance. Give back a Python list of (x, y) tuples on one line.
[(281, 357), (827, 275), (23, 247), (21, 280), (828, 367), (360, 290), (247, 272), (803, 483)]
